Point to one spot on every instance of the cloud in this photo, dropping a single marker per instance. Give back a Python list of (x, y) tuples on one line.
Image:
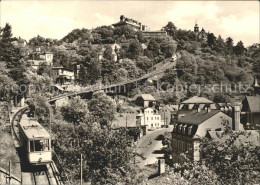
[(239, 20)]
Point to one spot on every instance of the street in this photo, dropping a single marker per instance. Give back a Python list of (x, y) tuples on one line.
[(149, 147)]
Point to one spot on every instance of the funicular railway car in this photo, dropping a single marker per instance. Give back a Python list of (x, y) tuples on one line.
[(36, 141)]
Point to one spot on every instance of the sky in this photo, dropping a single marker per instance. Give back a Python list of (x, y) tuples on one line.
[(56, 18)]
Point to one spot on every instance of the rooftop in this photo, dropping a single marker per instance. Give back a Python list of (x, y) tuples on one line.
[(253, 103), (32, 129), (197, 99), (196, 118), (146, 97)]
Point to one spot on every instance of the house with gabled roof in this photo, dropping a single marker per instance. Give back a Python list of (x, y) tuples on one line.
[(144, 100), (194, 103), (189, 130), (168, 113), (250, 113)]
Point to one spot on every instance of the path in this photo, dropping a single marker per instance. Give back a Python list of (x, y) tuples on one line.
[(149, 147)]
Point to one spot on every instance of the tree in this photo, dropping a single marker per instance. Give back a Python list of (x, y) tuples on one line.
[(44, 68), (154, 48), (130, 66), (103, 108), (169, 76), (144, 63), (135, 49), (76, 111), (229, 45), (168, 47), (93, 71), (125, 31), (239, 49), (40, 108), (77, 34), (11, 55), (82, 75), (107, 154), (170, 28), (220, 45), (211, 40), (121, 75), (108, 53), (108, 70), (234, 162)]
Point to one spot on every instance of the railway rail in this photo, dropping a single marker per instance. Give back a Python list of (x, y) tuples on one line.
[(49, 175), (43, 174)]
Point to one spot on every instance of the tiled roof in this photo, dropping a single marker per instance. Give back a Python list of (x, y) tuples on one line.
[(146, 97), (196, 99), (254, 103), (196, 118)]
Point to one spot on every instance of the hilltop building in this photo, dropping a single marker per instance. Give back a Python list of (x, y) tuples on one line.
[(201, 35), (38, 57), (138, 26), (135, 25)]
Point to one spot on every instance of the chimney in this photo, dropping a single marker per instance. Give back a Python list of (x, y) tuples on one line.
[(236, 118)]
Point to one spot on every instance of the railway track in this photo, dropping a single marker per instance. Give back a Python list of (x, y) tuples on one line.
[(49, 173), (36, 175)]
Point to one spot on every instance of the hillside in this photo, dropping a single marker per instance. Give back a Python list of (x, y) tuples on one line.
[(111, 55)]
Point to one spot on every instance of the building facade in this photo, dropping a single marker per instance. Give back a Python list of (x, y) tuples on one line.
[(201, 35), (250, 113), (63, 75), (37, 58), (189, 130), (149, 117), (135, 25), (194, 103), (144, 100), (168, 114)]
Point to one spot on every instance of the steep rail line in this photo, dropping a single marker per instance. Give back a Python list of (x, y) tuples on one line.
[(44, 174), (167, 65), (49, 176)]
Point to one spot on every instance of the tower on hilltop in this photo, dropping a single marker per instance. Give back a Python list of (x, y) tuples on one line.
[(196, 28)]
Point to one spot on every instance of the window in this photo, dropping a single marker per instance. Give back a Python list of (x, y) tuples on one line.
[(183, 129), (151, 118), (189, 130), (39, 145), (147, 118), (151, 125), (180, 128)]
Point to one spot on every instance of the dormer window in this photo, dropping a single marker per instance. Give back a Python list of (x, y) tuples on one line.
[(180, 127), (189, 130), (175, 127), (183, 129)]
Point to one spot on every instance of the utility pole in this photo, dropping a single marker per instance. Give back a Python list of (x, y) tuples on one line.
[(10, 172), (126, 121), (164, 117), (80, 169)]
